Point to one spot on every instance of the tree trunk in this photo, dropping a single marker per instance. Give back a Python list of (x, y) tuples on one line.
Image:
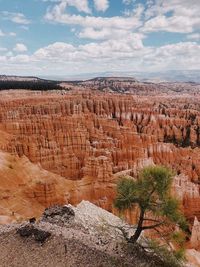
[(139, 229)]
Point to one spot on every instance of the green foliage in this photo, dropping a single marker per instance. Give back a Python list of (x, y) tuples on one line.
[(42, 85), (168, 258), (179, 238), (158, 178), (151, 193), (148, 191), (127, 194), (179, 254), (170, 209)]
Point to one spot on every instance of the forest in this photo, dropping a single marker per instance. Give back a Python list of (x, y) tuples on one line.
[(30, 85)]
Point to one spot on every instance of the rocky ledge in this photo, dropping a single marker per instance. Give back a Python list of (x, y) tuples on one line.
[(67, 236)]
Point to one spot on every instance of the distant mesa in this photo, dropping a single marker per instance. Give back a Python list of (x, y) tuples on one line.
[(20, 78), (112, 79)]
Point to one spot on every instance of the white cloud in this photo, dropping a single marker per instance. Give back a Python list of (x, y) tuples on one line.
[(19, 59), (3, 59), (128, 2), (80, 5), (83, 5), (91, 33), (182, 55), (64, 53), (108, 34), (194, 36), (172, 24), (20, 48), (101, 5), (2, 33), (17, 18), (103, 34), (173, 16), (129, 53), (112, 49), (58, 14), (13, 34), (24, 27), (9, 54), (112, 43), (3, 49), (51, 52)]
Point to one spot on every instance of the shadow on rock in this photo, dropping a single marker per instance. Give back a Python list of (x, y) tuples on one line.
[(37, 234), (60, 215)]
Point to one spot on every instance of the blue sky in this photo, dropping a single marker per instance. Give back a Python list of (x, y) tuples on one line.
[(70, 37)]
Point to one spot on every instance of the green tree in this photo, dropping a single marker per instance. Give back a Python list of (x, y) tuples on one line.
[(151, 194)]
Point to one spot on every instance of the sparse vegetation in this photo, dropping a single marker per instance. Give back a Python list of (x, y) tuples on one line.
[(158, 210), (166, 257), (150, 193)]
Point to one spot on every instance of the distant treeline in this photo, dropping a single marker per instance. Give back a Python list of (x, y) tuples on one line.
[(30, 85)]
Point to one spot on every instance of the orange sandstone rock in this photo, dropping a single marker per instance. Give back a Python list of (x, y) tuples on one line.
[(82, 140)]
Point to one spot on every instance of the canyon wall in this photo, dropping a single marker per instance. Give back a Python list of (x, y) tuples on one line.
[(77, 143)]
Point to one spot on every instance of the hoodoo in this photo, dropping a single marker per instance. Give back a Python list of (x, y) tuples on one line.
[(62, 148)]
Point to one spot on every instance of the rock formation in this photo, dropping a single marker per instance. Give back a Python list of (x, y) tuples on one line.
[(195, 237), (83, 236), (64, 147)]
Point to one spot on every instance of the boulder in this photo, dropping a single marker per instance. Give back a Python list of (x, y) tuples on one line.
[(31, 231), (58, 215)]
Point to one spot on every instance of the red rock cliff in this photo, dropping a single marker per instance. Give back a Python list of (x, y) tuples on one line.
[(87, 139)]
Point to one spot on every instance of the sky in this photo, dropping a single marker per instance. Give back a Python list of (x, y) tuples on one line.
[(71, 37)]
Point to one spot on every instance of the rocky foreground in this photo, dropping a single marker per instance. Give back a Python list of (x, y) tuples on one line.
[(70, 237), (84, 236)]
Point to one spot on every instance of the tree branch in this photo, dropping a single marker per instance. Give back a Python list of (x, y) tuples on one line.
[(152, 226), (164, 237), (152, 220)]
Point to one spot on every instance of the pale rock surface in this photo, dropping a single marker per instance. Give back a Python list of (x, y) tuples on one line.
[(193, 257), (195, 236)]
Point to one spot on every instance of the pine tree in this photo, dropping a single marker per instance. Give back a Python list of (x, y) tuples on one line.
[(151, 194)]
